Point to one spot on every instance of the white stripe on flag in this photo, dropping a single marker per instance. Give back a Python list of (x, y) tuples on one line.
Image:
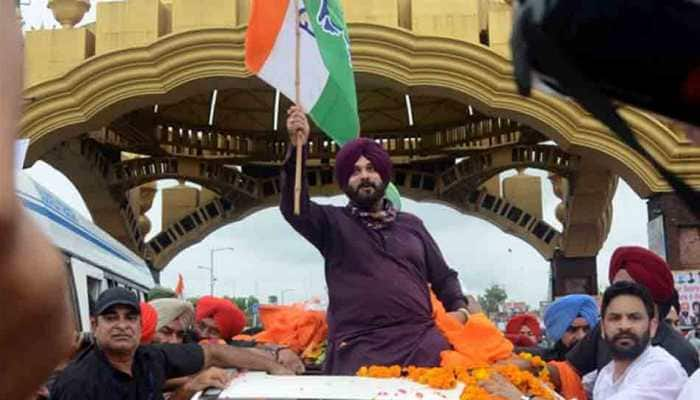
[(278, 70)]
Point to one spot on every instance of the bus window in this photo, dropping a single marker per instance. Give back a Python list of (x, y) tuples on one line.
[(73, 296), (94, 287)]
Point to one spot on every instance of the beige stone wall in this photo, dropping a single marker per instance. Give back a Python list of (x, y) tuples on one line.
[(457, 19), (380, 12), (126, 24), (130, 23), (197, 14), (52, 53)]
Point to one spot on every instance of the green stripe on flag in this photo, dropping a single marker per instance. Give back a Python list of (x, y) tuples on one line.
[(336, 112), (392, 193)]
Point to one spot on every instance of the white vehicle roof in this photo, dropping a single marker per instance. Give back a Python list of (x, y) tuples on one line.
[(76, 235), (259, 385)]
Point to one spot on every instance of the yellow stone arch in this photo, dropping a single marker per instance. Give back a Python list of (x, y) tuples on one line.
[(222, 211), (180, 64)]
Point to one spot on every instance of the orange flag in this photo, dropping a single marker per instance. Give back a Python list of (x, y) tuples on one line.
[(180, 287)]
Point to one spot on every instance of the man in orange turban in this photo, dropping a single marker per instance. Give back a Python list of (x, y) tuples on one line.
[(149, 319), (218, 318), (524, 330)]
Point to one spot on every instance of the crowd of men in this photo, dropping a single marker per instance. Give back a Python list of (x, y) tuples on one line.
[(628, 350), (142, 350)]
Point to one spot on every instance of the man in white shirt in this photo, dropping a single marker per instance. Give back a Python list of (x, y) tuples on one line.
[(691, 390), (638, 371)]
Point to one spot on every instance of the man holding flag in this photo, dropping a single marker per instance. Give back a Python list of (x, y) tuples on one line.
[(378, 261)]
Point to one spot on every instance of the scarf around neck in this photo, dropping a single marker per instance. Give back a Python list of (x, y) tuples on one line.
[(375, 220)]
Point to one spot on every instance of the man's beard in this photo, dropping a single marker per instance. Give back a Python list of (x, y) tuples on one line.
[(631, 352), (366, 201), (562, 348)]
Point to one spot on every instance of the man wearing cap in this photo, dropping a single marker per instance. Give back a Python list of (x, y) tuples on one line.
[(567, 321), (118, 368), (378, 262), (637, 264)]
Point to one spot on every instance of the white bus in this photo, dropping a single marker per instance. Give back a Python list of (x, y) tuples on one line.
[(95, 261)]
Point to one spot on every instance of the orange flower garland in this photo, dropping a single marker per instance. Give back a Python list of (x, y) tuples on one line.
[(378, 371), (447, 378), (537, 362), (437, 378)]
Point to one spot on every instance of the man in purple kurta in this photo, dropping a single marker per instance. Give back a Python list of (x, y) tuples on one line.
[(378, 263)]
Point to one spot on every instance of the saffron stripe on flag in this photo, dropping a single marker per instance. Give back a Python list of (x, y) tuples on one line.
[(264, 26)]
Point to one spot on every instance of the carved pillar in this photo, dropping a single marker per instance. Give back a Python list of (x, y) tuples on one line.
[(674, 233)]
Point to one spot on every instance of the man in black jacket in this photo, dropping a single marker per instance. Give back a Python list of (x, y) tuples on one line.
[(117, 367)]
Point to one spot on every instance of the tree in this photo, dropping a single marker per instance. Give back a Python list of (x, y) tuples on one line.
[(193, 300), (245, 304), (492, 298)]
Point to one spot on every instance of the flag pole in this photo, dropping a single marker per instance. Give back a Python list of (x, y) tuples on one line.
[(297, 98)]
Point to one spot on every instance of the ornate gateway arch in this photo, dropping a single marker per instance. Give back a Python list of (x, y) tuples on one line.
[(127, 101)]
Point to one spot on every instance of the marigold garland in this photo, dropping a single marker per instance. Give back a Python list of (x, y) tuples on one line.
[(447, 378)]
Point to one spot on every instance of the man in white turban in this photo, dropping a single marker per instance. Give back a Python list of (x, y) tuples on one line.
[(175, 317)]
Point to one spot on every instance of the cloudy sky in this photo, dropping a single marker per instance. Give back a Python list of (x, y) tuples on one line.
[(269, 258)]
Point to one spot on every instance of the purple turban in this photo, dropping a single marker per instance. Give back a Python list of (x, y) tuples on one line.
[(349, 154)]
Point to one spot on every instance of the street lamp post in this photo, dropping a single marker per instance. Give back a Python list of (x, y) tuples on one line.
[(212, 279), (18, 5), (282, 294)]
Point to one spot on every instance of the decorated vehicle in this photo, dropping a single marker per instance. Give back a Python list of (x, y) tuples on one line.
[(480, 354)]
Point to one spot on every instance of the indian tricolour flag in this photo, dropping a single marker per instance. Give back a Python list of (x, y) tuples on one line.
[(327, 81)]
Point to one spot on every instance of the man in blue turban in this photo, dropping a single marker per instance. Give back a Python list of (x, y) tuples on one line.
[(567, 321)]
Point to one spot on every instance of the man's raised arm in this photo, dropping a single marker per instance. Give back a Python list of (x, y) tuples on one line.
[(312, 220)]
